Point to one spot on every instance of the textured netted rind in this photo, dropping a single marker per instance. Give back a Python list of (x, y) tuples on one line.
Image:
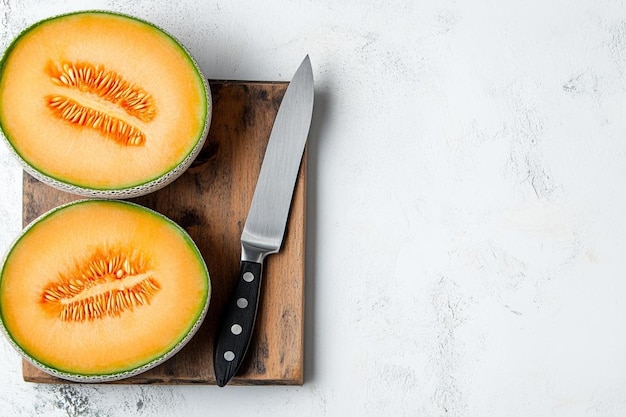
[(93, 378), (135, 190), (119, 193)]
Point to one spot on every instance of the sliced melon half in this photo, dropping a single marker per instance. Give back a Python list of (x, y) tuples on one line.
[(100, 290), (102, 104)]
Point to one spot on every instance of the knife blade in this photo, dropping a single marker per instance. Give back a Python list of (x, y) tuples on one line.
[(264, 229)]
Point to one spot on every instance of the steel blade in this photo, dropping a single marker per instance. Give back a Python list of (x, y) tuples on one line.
[(269, 210)]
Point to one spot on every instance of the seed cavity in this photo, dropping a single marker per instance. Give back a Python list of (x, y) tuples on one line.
[(107, 283), (71, 111), (108, 85)]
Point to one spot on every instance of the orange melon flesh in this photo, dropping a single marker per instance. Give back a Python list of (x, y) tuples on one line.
[(143, 57), (49, 253)]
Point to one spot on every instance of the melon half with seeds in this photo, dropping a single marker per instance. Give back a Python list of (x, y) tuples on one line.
[(100, 290), (101, 104)]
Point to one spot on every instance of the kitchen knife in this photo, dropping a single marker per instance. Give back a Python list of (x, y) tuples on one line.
[(265, 226)]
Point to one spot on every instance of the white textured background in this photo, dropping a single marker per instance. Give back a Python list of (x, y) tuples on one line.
[(466, 212)]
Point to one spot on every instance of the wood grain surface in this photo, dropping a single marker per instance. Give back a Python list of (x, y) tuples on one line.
[(210, 200)]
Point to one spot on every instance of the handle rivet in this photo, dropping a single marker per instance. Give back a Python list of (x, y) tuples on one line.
[(242, 303), (248, 277), (229, 355), (236, 329)]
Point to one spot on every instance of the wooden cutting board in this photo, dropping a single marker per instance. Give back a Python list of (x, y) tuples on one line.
[(210, 200)]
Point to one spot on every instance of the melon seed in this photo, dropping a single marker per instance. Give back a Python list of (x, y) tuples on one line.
[(105, 284), (118, 130), (107, 85)]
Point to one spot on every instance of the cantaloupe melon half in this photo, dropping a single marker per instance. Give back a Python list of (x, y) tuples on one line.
[(102, 104), (100, 290)]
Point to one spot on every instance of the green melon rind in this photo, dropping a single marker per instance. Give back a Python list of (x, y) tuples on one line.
[(133, 190), (141, 366)]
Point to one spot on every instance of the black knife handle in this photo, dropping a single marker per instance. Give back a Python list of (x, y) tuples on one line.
[(237, 323)]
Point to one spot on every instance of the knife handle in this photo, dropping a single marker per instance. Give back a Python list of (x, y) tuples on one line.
[(237, 325)]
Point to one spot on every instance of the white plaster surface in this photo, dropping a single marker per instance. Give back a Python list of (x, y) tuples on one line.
[(466, 211)]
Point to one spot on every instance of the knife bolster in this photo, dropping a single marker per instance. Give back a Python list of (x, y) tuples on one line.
[(254, 252)]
